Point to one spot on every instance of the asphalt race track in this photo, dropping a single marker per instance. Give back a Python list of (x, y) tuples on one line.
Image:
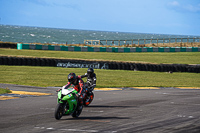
[(166, 110)]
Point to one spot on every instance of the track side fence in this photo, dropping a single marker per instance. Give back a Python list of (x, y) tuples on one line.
[(167, 42)]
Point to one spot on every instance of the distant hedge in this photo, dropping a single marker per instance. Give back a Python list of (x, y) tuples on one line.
[(8, 45)]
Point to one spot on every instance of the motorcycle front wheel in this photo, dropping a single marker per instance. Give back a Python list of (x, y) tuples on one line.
[(89, 99), (77, 112), (59, 111)]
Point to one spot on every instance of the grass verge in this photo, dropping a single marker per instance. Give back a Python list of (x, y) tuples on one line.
[(4, 91), (150, 57), (56, 76)]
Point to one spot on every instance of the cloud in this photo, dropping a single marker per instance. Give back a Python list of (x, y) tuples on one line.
[(174, 3), (192, 8), (184, 7), (58, 4)]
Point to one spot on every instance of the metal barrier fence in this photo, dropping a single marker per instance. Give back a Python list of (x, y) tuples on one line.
[(107, 49), (156, 42)]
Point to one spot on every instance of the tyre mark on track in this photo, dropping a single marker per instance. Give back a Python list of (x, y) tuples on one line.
[(74, 130)]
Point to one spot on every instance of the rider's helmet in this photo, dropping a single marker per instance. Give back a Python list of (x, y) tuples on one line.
[(72, 78), (90, 71)]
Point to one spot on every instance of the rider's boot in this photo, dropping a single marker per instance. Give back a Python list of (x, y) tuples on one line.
[(80, 104), (89, 92)]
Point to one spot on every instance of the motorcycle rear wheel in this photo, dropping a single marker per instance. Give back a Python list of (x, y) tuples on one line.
[(59, 111)]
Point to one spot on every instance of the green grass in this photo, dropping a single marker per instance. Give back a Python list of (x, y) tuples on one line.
[(4, 91), (154, 57), (56, 76)]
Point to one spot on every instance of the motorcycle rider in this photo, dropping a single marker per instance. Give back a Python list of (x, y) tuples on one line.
[(78, 85), (91, 80)]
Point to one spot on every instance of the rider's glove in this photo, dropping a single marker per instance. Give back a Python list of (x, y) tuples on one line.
[(79, 94), (58, 90)]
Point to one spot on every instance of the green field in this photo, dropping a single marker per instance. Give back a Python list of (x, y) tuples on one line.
[(4, 91), (154, 57), (56, 76)]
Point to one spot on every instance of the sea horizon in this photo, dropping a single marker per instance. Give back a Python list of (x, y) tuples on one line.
[(33, 34)]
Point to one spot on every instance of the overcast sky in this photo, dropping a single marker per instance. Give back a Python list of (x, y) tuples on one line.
[(181, 17)]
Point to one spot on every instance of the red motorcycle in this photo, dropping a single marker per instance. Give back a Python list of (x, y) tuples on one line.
[(88, 98)]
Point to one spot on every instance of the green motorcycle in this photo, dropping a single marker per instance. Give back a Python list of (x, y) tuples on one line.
[(67, 103)]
